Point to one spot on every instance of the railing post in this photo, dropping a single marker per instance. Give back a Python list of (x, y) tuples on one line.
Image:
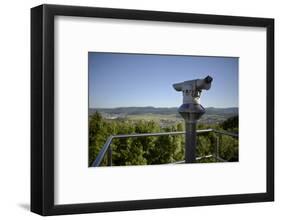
[(109, 156), (217, 147), (218, 144)]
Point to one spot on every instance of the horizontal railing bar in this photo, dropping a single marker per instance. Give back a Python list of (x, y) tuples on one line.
[(197, 158), (226, 133), (207, 156), (148, 134), (158, 134), (178, 162)]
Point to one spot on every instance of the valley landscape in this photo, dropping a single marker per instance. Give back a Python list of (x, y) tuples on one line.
[(163, 116)]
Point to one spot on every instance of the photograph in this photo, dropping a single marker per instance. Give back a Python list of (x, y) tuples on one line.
[(148, 109)]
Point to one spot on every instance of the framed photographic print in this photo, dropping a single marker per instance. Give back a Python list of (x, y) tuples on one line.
[(136, 109)]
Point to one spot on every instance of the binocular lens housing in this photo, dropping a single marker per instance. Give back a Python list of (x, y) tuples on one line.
[(196, 84), (208, 79)]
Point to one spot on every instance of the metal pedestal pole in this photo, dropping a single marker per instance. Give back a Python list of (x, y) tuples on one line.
[(190, 141)]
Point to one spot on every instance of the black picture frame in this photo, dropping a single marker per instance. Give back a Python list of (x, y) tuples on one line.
[(42, 109)]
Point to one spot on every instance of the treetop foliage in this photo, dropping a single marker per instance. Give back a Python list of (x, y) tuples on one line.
[(155, 150)]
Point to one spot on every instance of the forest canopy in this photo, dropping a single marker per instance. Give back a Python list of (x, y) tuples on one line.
[(156, 150)]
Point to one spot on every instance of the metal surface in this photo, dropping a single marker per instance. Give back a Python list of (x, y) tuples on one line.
[(102, 152), (192, 89), (191, 110), (190, 141), (109, 156), (226, 133), (107, 149), (197, 158), (207, 156)]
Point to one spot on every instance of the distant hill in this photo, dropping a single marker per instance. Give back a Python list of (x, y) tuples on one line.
[(161, 111), (222, 111)]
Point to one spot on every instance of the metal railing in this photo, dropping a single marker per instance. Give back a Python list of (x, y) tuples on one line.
[(107, 149)]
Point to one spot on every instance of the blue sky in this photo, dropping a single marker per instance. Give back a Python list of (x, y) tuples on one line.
[(126, 80)]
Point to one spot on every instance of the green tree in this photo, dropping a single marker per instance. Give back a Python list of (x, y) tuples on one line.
[(156, 150), (97, 135), (231, 124)]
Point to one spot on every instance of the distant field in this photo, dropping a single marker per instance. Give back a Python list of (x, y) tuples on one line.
[(164, 116), (162, 120), (173, 119), (154, 117)]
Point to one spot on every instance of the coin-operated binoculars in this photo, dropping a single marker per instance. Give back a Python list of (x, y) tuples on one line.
[(191, 110)]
